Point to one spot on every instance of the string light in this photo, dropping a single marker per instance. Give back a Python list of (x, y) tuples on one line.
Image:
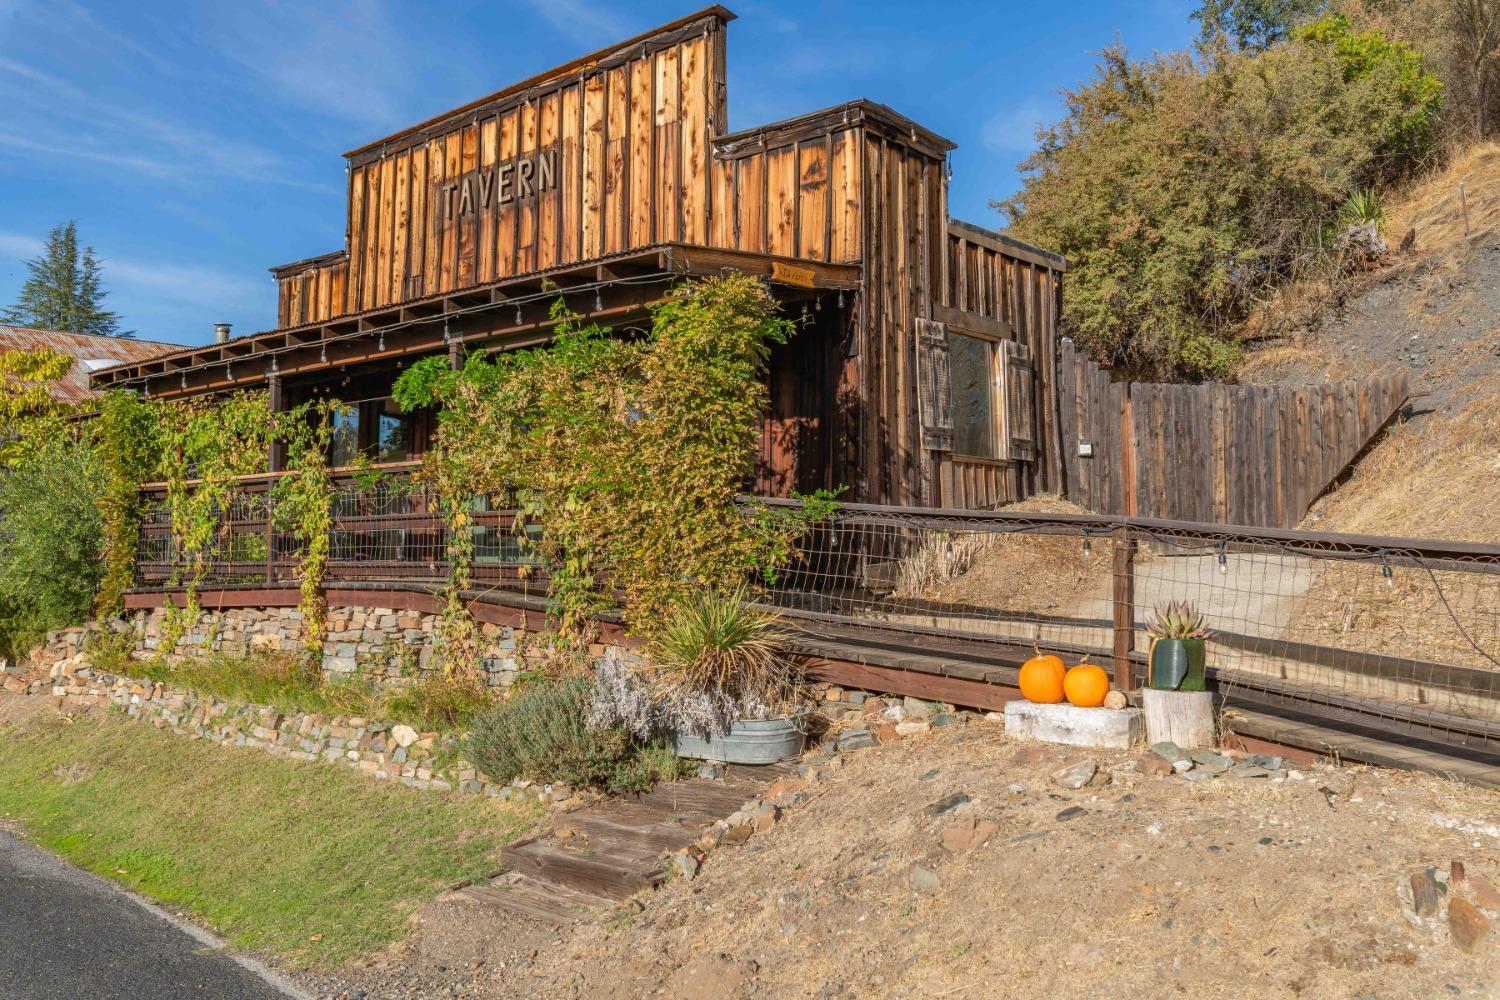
[(184, 380), (1223, 561), (598, 300), (229, 371), (380, 344), (1385, 569), (841, 298), (324, 354), (518, 314)]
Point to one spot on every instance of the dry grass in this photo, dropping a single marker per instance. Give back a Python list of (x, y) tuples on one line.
[(1436, 479), (1022, 572)]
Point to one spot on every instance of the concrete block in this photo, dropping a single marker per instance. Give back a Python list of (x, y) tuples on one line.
[(1080, 727)]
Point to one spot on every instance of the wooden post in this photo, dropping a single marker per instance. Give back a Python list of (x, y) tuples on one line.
[(1124, 606)]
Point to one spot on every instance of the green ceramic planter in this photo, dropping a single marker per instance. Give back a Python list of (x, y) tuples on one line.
[(1177, 665)]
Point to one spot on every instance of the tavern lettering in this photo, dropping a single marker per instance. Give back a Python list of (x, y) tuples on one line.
[(514, 180)]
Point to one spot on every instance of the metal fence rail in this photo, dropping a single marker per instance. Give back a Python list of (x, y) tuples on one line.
[(1401, 633)]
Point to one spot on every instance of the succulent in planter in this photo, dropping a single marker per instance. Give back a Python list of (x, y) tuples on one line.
[(1178, 633)]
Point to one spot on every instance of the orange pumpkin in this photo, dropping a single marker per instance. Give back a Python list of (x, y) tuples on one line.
[(1086, 685), (1042, 679)]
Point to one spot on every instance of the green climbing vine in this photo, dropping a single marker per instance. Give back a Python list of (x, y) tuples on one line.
[(303, 506), (127, 433), (206, 445), (624, 455)]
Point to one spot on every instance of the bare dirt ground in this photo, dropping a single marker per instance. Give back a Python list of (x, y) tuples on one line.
[(1146, 887)]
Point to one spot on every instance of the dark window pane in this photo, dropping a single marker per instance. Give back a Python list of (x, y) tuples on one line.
[(972, 370), (344, 448), (393, 435)]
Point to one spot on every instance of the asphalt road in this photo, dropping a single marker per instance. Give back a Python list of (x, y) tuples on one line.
[(68, 935)]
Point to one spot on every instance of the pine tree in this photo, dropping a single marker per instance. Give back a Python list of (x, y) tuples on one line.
[(65, 291)]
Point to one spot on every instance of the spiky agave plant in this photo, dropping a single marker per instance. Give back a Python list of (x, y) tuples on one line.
[(1177, 620), (717, 656), (1362, 207)]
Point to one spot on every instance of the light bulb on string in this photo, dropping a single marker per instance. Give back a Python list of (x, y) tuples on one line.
[(598, 300), (229, 371), (1223, 561)]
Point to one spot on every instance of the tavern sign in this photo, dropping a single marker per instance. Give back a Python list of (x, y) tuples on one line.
[(514, 180)]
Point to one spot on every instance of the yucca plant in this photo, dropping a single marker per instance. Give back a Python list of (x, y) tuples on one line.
[(1177, 620), (1362, 208), (717, 657)]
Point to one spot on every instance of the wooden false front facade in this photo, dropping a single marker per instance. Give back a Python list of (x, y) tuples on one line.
[(615, 170)]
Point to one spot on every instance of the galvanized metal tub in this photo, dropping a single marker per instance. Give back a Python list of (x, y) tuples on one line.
[(749, 741)]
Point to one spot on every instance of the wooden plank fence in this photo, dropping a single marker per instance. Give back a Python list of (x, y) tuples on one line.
[(1225, 454)]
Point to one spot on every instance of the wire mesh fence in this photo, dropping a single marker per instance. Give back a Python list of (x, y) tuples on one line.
[(1403, 634)]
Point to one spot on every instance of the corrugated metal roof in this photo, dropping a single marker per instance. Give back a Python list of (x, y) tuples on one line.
[(83, 348)]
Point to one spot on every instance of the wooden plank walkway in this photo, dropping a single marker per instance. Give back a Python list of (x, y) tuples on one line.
[(606, 852)]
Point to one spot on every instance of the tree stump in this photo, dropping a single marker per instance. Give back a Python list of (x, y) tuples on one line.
[(1183, 717)]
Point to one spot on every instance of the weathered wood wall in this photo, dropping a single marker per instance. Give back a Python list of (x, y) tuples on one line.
[(625, 149), (632, 150), (996, 278), (1227, 454)]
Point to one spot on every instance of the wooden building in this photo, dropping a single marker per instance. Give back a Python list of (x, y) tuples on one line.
[(923, 376)]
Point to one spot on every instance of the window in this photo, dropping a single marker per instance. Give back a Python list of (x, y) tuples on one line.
[(973, 369), (343, 449), (392, 432)]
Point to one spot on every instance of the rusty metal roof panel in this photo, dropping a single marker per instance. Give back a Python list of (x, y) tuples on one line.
[(83, 348)]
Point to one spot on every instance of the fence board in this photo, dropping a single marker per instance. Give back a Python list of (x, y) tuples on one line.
[(1228, 454)]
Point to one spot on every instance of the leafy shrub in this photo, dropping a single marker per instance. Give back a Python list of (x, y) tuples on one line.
[(50, 541), (543, 734), (1183, 190)]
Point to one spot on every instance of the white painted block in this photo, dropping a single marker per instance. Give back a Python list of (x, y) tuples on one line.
[(1118, 729)]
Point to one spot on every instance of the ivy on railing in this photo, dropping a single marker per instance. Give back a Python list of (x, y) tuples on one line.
[(625, 453)]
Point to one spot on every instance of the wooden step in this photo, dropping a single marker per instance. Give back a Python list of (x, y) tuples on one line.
[(642, 827), (612, 872), (545, 901)]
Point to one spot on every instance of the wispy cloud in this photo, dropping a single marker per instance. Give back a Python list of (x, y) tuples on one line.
[(19, 245), (344, 59), (583, 21), (67, 122), (1012, 132), (189, 284)]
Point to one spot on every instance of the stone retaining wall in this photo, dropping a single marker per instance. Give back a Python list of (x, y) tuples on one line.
[(381, 644), (384, 646)]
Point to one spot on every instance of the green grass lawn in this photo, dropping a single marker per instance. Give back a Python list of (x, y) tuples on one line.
[(310, 862)]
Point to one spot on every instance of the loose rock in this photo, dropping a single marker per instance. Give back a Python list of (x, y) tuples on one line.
[(1466, 924), (924, 879), (1075, 776)]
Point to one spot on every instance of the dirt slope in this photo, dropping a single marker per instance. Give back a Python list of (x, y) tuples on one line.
[(1436, 313), (1147, 887)]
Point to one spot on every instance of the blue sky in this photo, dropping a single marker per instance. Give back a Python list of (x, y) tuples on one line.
[(198, 144)]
